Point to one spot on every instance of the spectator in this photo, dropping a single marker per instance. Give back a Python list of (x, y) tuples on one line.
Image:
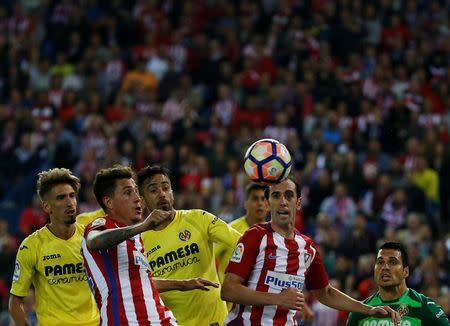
[(394, 210), (32, 218), (339, 207)]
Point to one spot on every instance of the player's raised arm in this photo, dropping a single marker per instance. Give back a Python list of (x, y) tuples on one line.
[(105, 239)]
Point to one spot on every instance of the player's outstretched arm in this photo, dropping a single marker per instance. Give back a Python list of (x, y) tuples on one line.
[(163, 285), (15, 307), (234, 291), (336, 299), (100, 240)]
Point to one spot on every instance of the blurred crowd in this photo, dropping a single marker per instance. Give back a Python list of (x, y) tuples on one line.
[(357, 90)]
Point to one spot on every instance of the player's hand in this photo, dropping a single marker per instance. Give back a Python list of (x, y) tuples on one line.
[(155, 218), (198, 284), (291, 298), (385, 311), (306, 314)]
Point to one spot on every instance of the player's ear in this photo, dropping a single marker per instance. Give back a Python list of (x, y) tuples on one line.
[(298, 205), (406, 271), (107, 201), (46, 206)]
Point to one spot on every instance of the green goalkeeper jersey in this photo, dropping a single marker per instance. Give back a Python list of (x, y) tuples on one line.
[(414, 308)]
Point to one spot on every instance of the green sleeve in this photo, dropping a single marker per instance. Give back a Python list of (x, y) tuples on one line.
[(352, 319), (436, 314)]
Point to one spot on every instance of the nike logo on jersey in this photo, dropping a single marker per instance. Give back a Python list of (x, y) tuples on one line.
[(23, 247), (272, 257)]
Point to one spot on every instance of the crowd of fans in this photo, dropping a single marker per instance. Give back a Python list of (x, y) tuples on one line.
[(357, 90)]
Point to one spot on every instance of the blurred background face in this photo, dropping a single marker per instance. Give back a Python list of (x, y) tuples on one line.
[(256, 205), (157, 193), (340, 191)]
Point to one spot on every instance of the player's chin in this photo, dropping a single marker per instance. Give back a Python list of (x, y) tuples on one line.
[(71, 220), (164, 207), (136, 218), (385, 283)]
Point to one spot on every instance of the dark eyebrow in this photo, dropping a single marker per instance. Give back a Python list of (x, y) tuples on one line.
[(389, 258), (155, 183)]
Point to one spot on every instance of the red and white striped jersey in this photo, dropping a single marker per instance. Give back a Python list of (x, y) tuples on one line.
[(268, 262), (121, 282)]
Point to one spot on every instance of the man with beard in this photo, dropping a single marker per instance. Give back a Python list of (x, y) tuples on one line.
[(273, 262), (125, 291), (50, 260), (390, 273), (182, 246)]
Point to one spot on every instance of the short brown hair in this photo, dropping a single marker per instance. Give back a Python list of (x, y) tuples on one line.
[(53, 177), (105, 181), (253, 187)]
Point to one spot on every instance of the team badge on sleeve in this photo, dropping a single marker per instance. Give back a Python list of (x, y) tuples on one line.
[(98, 222), (16, 275), (238, 253)]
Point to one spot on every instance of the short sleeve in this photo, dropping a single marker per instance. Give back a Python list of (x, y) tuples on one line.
[(437, 314), (24, 270), (316, 275), (244, 255), (220, 232), (97, 224)]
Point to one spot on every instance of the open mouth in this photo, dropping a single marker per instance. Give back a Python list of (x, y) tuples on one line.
[(283, 214), (138, 210), (72, 211), (386, 277)]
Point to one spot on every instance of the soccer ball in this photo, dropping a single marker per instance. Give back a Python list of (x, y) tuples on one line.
[(267, 161)]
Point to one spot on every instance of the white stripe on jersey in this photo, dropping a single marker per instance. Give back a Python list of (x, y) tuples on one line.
[(280, 266), (301, 258), (255, 275), (125, 285), (99, 281), (147, 290)]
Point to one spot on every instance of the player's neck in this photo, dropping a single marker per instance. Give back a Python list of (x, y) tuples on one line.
[(287, 232), (61, 230), (392, 293), (252, 220)]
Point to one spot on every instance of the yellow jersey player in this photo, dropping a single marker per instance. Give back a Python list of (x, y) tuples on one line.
[(87, 217), (182, 247), (50, 260), (257, 208)]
